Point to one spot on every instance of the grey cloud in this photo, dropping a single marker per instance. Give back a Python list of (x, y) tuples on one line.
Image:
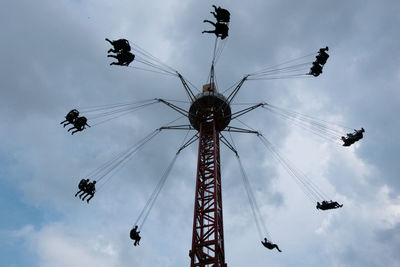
[(54, 60)]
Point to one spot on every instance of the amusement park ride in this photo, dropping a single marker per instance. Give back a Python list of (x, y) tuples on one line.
[(210, 115)]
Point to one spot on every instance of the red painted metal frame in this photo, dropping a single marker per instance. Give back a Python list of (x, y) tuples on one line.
[(208, 233)]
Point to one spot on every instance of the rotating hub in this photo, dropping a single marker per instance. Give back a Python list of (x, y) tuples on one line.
[(209, 106)]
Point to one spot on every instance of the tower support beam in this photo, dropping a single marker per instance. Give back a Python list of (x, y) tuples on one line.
[(208, 235)]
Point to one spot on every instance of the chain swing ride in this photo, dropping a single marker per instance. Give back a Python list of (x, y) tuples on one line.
[(209, 116)]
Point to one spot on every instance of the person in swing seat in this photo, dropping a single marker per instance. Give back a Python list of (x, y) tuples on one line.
[(79, 124), (82, 186), (120, 46), (221, 14), (270, 245), (134, 234), (221, 29), (71, 117), (90, 190)]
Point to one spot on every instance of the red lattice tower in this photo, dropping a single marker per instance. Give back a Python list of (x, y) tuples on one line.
[(209, 113)]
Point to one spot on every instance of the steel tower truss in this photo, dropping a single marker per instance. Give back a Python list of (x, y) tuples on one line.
[(208, 234), (209, 114)]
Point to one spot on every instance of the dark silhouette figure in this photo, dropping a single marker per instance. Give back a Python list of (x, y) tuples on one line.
[(120, 46), (221, 29), (316, 69), (70, 117), (353, 137), (124, 59), (319, 63), (79, 124), (82, 186), (322, 56), (221, 15), (328, 205), (90, 190), (270, 245), (348, 141), (134, 234)]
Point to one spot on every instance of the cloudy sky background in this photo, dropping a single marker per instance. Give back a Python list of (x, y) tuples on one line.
[(54, 59)]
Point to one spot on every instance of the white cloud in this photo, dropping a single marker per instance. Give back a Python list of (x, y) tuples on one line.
[(58, 245), (385, 210)]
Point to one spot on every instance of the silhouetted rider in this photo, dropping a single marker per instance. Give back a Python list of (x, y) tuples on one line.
[(327, 205), (353, 137), (270, 245), (316, 69), (358, 134), (90, 190), (120, 46), (70, 117), (79, 124), (221, 29), (322, 56), (124, 59), (221, 15), (348, 141), (82, 186), (134, 234)]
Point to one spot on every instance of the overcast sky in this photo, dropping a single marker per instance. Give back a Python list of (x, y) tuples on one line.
[(53, 59)]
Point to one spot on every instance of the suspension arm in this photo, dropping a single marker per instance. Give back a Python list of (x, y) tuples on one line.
[(178, 127), (244, 111), (236, 90), (187, 88), (176, 108), (239, 130)]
